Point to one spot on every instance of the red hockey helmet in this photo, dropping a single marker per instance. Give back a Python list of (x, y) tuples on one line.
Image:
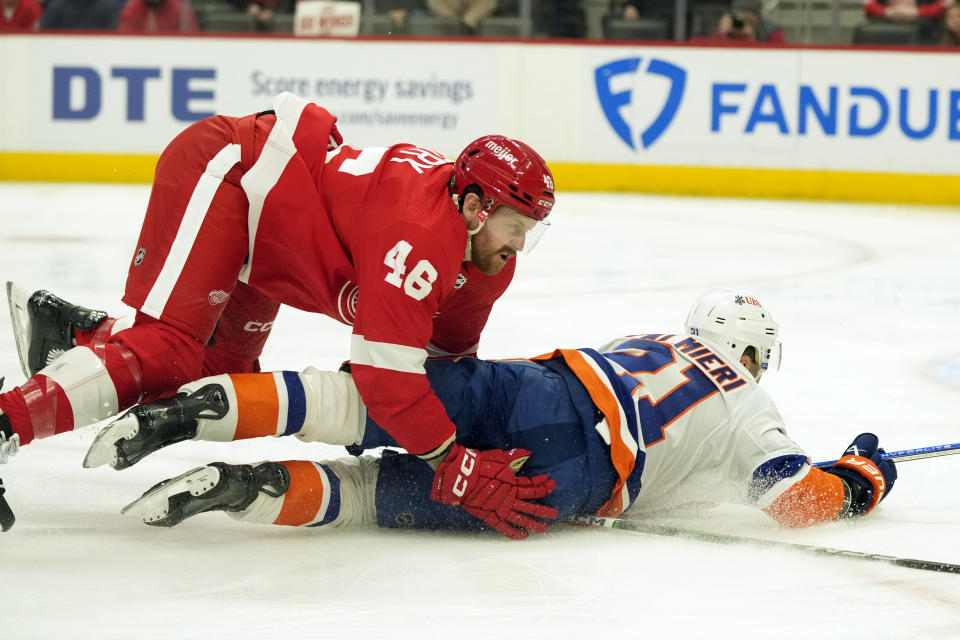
[(509, 173)]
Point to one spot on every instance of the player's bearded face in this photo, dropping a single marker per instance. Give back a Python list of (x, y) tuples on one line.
[(503, 236)]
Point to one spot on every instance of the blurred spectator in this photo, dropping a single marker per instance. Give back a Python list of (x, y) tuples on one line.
[(904, 10), (19, 15), (399, 11), (261, 12), (80, 14), (951, 26), (745, 22), (157, 16), (470, 12), (630, 10), (664, 10)]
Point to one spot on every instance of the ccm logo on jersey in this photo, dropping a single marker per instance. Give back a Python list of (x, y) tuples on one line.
[(466, 468), (502, 153), (255, 327)]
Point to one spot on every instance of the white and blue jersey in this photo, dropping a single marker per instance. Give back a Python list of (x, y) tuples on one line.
[(682, 423), (648, 420)]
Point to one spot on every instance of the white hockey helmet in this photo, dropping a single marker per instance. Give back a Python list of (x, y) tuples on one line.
[(735, 321)]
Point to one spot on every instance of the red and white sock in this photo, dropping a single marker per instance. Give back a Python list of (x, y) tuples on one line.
[(84, 385), (102, 332)]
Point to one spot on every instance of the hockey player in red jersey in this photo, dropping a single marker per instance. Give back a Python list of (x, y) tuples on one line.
[(646, 422), (246, 214)]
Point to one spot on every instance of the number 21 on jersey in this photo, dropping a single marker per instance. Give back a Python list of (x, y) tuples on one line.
[(667, 387)]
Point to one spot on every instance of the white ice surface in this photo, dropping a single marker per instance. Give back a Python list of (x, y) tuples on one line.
[(868, 300)]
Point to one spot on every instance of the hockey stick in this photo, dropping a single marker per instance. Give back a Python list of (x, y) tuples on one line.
[(720, 538), (906, 455)]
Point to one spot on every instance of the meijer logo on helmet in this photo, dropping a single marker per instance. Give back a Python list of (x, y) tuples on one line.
[(502, 153)]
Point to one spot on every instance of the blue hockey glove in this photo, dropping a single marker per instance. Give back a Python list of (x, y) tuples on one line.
[(868, 478)]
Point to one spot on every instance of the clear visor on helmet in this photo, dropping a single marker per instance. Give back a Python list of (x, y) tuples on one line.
[(515, 230)]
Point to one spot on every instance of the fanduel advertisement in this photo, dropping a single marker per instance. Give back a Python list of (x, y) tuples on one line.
[(869, 113), (780, 108)]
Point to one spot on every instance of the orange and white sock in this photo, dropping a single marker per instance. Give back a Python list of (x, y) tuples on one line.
[(338, 493)]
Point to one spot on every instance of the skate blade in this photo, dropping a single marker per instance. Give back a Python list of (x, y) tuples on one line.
[(104, 448), (155, 504), (17, 300), (6, 514)]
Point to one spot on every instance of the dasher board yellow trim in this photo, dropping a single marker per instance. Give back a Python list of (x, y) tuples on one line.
[(77, 167), (677, 180), (759, 183)]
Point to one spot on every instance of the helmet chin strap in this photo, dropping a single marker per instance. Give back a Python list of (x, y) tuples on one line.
[(468, 252)]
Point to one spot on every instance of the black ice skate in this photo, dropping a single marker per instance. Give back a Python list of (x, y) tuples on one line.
[(44, 326), (149, 427), (215, 487), (6, 513)]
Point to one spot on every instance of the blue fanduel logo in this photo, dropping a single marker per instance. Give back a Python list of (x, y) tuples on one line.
[(612, 103), (832, 111)]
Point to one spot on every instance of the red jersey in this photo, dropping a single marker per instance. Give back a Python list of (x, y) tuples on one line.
[(23, 17), (384, 250), (464, 311), (928, 9), (171, 16), (370, 237)]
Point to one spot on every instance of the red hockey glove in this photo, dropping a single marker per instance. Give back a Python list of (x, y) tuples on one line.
[(485, 484)]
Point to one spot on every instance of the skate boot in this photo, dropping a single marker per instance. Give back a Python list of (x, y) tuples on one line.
[(6, 513), (215, 487), (44, 326), (149, 427)]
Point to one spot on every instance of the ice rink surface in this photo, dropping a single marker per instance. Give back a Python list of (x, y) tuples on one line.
[(868, 298)]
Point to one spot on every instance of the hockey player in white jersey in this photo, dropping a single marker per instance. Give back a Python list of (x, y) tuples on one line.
[(648, 420)]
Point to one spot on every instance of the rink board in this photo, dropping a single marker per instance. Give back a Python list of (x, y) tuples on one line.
[(812, 123)]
